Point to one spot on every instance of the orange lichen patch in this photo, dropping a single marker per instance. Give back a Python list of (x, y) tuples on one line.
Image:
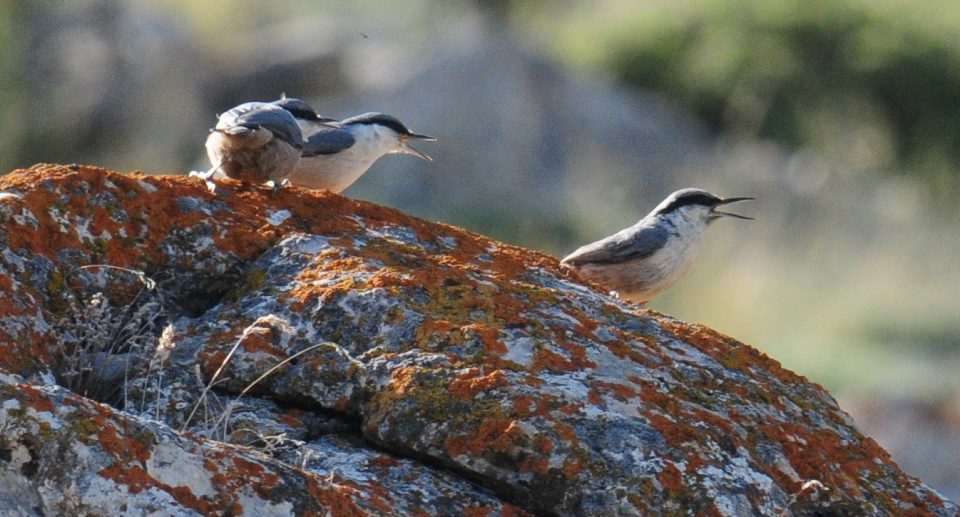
[(546, 359), (821, 454), (478, 511), (670, 477), (260, 339), (624, 348), (595, 397), (211, 361), (335, 499), (137, 479), (436, 326), (402, 381), (544, 444), (565, 431), (695, 463), (676, 434), (525, 405), (508, 510), (572, 468), (384, 461), (490, 338), (570, 409), (494, 435), (34, 398), (471, 382), (540, 465), (134, 477), (622, 391), (728, 351), (716, 422), (292, 417), (522, 405), (662, 399), (126, 447)]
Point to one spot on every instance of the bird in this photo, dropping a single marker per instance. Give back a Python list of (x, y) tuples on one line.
[(337, 153), (255, 142), (640, 262)]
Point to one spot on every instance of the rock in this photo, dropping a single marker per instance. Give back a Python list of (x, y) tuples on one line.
[(328, 355)]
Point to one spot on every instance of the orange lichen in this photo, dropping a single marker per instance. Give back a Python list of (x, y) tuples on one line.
[(522, 405), (565, 431), (137, 479), (508, 510), (335, 499), (477, 511), (544, 444), (260, 339), (670, 477), (494, 435), (676, 434), (572, 468), (384, 461), (595, 397), (490, 338), (120, 446), (545, 359), (402, 380), (540, 465), (34, 398), (471, 382), (263, 480)]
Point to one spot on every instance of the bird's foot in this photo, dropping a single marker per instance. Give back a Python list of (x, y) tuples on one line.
[(207, 177), (275, 186)]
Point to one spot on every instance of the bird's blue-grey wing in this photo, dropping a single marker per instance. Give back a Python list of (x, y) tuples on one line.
[(252, 115), (629, 244), (328, 141)]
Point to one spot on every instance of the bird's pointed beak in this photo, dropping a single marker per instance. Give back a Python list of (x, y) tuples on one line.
[(326, 121), (406, 149), (417, 136), (716, 214)]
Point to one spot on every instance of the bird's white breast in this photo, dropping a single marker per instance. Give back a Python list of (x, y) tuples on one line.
[(338, 171)]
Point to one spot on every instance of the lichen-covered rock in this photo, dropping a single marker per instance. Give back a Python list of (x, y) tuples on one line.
[(394, 365)]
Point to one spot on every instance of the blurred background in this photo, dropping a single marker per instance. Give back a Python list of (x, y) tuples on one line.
[(562, 122)]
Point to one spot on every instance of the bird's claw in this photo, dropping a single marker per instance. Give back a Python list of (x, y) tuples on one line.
[(207, 177), (275, 186)]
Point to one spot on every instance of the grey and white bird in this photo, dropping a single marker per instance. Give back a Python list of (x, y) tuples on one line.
[(642, 261), (256, 142), (337, 153)]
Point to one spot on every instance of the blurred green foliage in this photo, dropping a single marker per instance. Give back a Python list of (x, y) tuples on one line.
[(877, 82)]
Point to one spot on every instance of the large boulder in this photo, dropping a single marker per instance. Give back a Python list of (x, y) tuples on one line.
[(256, 352)]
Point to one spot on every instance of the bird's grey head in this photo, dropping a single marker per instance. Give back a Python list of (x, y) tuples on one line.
[(696, 205), (391, 130), (301, 110)]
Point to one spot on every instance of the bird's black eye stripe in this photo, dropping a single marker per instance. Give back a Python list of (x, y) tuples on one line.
[(382, 120), (695, 199)]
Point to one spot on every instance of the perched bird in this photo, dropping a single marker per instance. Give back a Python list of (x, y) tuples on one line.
[(337, 153), (642, 261), (256, 142)]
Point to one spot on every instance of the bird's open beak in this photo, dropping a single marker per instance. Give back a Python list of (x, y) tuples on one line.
[(406, 149), (716, 214)]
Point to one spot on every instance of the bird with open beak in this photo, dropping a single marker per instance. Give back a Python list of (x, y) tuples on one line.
[(337, 153), (642, 261)]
